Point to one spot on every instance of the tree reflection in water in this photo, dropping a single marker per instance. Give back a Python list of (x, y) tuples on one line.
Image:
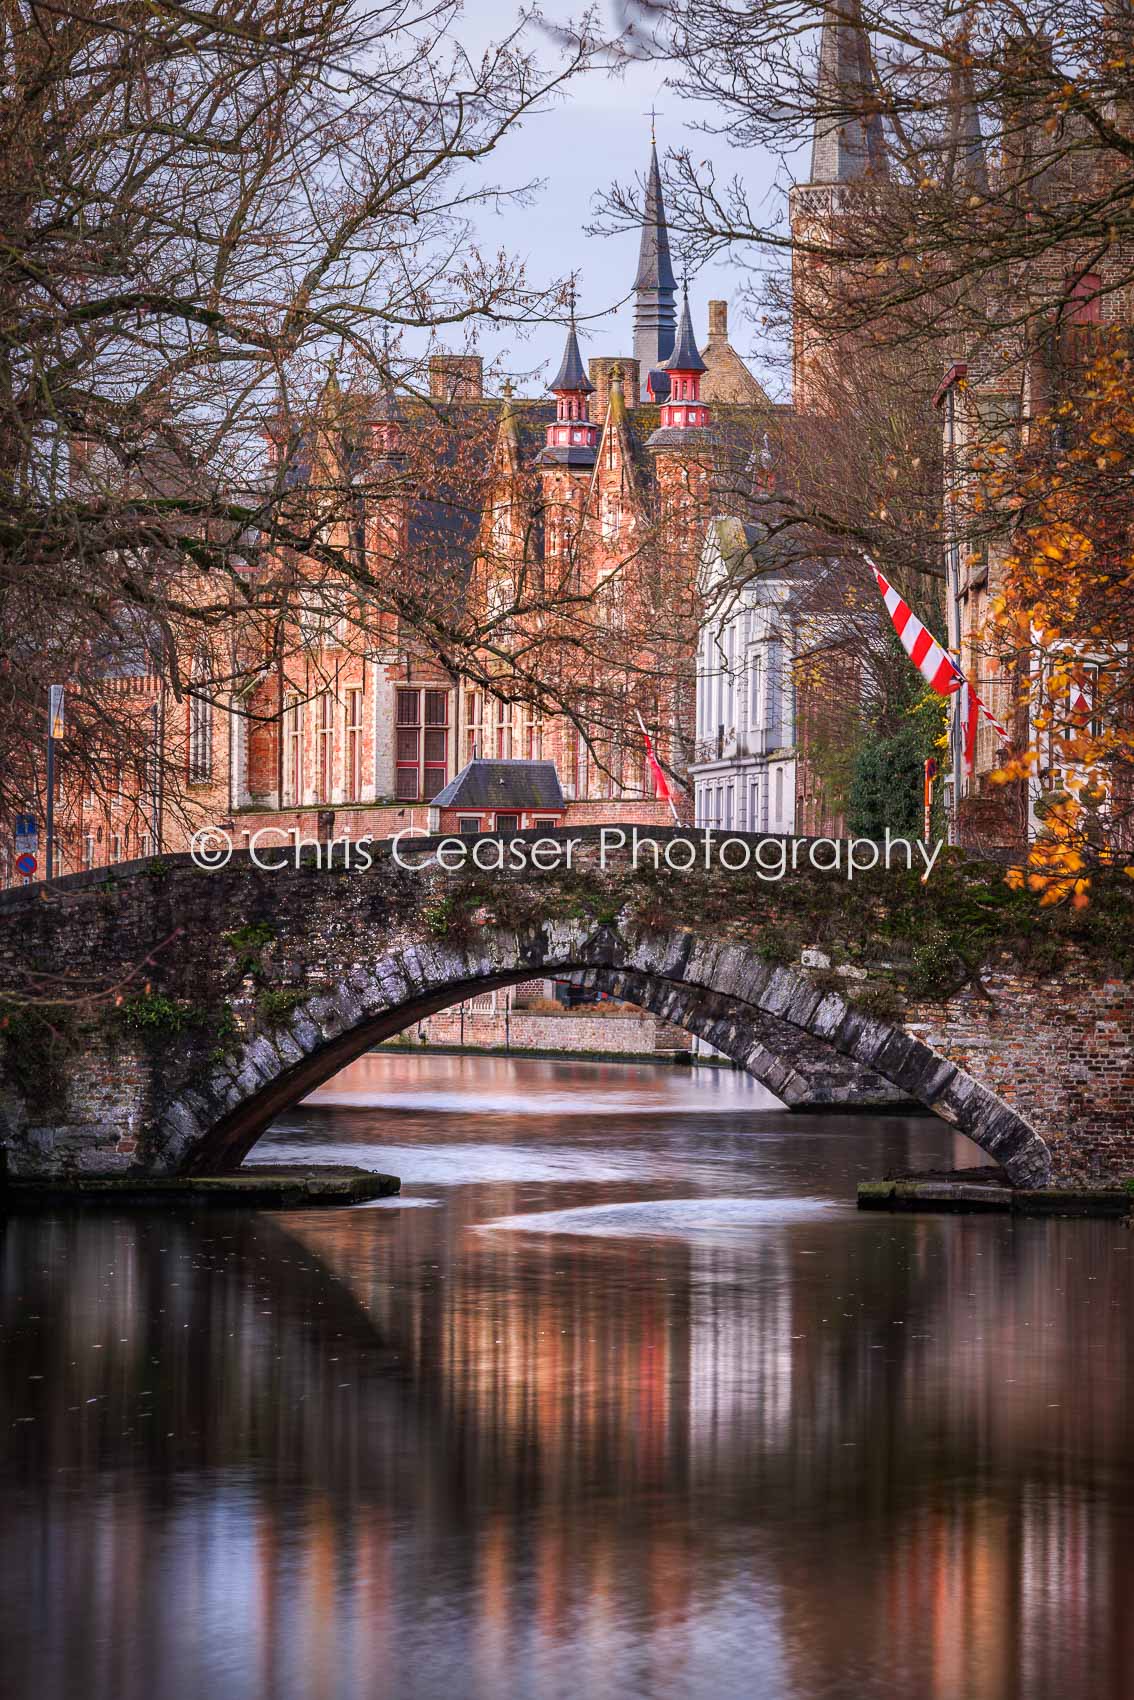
[(744, 1448)]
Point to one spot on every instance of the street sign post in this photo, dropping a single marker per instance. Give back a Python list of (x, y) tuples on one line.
[(54, 733)]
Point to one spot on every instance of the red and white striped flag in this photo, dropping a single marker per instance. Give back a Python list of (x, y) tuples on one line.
[(661, 783), (936, 667), (923, 649)]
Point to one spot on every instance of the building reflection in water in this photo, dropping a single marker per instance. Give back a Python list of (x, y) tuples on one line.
[(395, 1452)]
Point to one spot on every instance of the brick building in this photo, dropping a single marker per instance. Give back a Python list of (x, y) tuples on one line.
[(617, 482), (610, 478)]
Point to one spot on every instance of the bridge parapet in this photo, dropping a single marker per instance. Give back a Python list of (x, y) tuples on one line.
[(158, 1019)]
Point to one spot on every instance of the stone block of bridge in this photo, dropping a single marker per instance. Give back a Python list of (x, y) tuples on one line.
[(158, 1018)]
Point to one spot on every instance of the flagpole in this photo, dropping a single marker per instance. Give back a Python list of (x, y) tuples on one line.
[(650, 751)]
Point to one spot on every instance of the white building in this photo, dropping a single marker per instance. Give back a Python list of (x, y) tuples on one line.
[(754, 767), (744, 767)]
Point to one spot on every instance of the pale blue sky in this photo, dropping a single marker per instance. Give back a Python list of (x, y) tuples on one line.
[(598, 133)]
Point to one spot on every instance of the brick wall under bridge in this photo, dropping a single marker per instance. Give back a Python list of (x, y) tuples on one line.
[(162, 1015)]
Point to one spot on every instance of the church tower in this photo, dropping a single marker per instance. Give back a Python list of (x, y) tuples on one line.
[(683, 411), (655, 287), (571, 436), (848, 162), (567, 459)]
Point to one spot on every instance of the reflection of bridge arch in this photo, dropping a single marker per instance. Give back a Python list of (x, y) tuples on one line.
[(726, 994)]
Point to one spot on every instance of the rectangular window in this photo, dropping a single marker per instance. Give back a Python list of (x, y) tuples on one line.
[(409, 708), (468, 823), (352, 779), (116, 847), (1084, 299), (407, 745), (507, 823), (436, 743), (573, 764), (88, 850), (293, 750), (325, 763), (530, 735), (422, 743), (755, 690), (503, 731), (1083, 699), (474, 726), (200, 725)]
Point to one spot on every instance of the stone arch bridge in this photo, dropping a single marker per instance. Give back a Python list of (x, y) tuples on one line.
[(160, 1014)]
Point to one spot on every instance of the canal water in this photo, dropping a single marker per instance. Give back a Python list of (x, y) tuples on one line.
[(621, 1398)]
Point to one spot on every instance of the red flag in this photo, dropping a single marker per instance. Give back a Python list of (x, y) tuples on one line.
[(661, 783), (970, 726)]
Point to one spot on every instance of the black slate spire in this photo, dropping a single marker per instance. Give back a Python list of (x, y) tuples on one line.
[(655, 285), (686, 356), (572, 375)]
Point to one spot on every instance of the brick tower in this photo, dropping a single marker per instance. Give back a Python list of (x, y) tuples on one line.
[(848, 162)]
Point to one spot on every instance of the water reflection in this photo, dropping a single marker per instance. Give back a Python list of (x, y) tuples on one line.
[(759, 1444)]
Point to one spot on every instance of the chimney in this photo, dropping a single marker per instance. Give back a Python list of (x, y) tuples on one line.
[(456, 377), (718, 321), (599, 368)]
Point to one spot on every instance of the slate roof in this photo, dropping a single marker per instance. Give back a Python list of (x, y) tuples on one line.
[(655, 269), (503, 785), (686, 356), (848, 142), (567, 454), (572, 375)]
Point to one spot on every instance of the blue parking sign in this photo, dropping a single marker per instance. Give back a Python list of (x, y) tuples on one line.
[(27, 833)]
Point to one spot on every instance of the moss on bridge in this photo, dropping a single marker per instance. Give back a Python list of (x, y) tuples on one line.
[(912, 941)]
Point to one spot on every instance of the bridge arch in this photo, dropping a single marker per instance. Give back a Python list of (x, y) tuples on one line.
[(723, 992)]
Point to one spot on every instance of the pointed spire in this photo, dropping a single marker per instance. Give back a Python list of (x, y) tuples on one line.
[(571, 378), (571, 438), (655, 285), (388, 409), (686, 356), (508, 444), (847, 142), (331, 398), (966, 144), (682, 410), (655, 269)]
